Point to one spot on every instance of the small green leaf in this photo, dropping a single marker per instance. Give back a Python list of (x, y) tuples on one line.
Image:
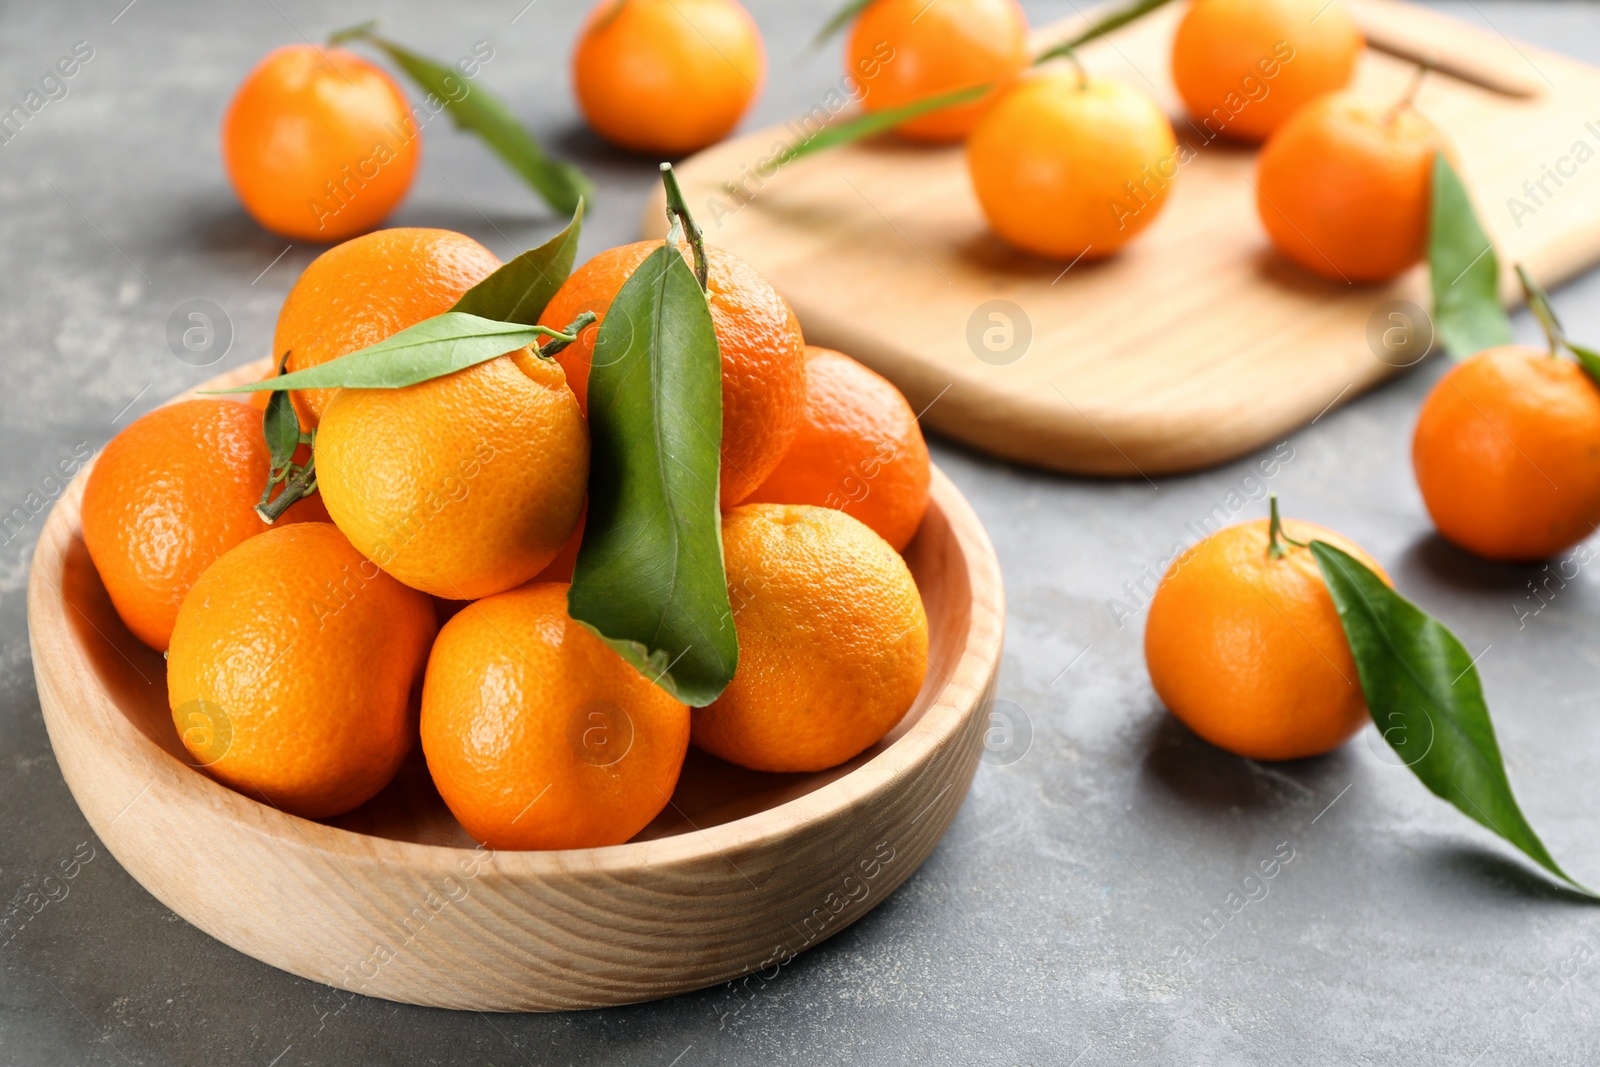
[(1467, 312), (281, 427), (432, 348), (520, 290), (1588, 359), (472, 107), (839, 20), (873, 123), (1114, 20), (649, 580), (1423, 693)]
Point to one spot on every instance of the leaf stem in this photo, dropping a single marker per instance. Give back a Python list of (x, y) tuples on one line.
[(1275, 533), (559, 341), (678, 214)]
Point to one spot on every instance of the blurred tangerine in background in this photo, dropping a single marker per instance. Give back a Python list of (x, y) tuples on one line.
[(667, 77), (319, 144), (1344, 188), (1243, 67), (902, 51)]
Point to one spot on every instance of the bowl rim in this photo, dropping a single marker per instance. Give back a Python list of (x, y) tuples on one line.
[(950, 705)]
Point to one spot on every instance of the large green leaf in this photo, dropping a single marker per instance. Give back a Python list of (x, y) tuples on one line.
[(1423, 693), (649, 579), (432, 348), (520, 290), (1467, 313), (562, 185)]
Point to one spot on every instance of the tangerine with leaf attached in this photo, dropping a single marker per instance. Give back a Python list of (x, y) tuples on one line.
[(167, 497), (1245, 647), (763, 354), (1507, 454)]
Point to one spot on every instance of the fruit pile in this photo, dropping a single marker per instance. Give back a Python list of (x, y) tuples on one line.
[(341, 574)]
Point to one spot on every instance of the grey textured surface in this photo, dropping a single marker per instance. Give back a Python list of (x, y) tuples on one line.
[(1063, 919)]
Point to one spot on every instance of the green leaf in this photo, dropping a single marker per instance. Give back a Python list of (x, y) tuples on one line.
[(520, 290), (1588, 359), (281, 427), (1467, 312), (873, 123), (649, 580), (432, 348), (1113, 21), (472, 107), (839, 20), (1423, 693)]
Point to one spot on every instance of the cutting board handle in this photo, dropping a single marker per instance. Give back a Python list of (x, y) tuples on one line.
[(1480, 57)]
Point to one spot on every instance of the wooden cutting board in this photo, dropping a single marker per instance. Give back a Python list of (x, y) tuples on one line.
[(1196, 344)]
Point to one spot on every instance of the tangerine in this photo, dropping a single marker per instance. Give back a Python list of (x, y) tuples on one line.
[(538, 735), (833, 640), (168, 496), (859, 449), (667, 77), (1507, 454), (319, 144), (292, 670), (902, 51), (763, 354), (1068, 166), (1344, 188), (461, 486), (1243, 67)]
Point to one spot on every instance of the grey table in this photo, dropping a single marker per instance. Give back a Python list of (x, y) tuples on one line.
[(1077, 912)]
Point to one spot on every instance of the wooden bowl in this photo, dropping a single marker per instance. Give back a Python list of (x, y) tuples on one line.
[(740, 873)]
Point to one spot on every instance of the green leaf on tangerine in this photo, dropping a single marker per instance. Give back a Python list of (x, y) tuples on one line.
[(520, 290), (1467, 312), (1423, 693), (649, 580), (432, 348)]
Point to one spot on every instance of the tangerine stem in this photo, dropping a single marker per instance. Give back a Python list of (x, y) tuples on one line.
[(678, 214), (1275, 533), (1083, 75), (1539, 304), (1423, 69)]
